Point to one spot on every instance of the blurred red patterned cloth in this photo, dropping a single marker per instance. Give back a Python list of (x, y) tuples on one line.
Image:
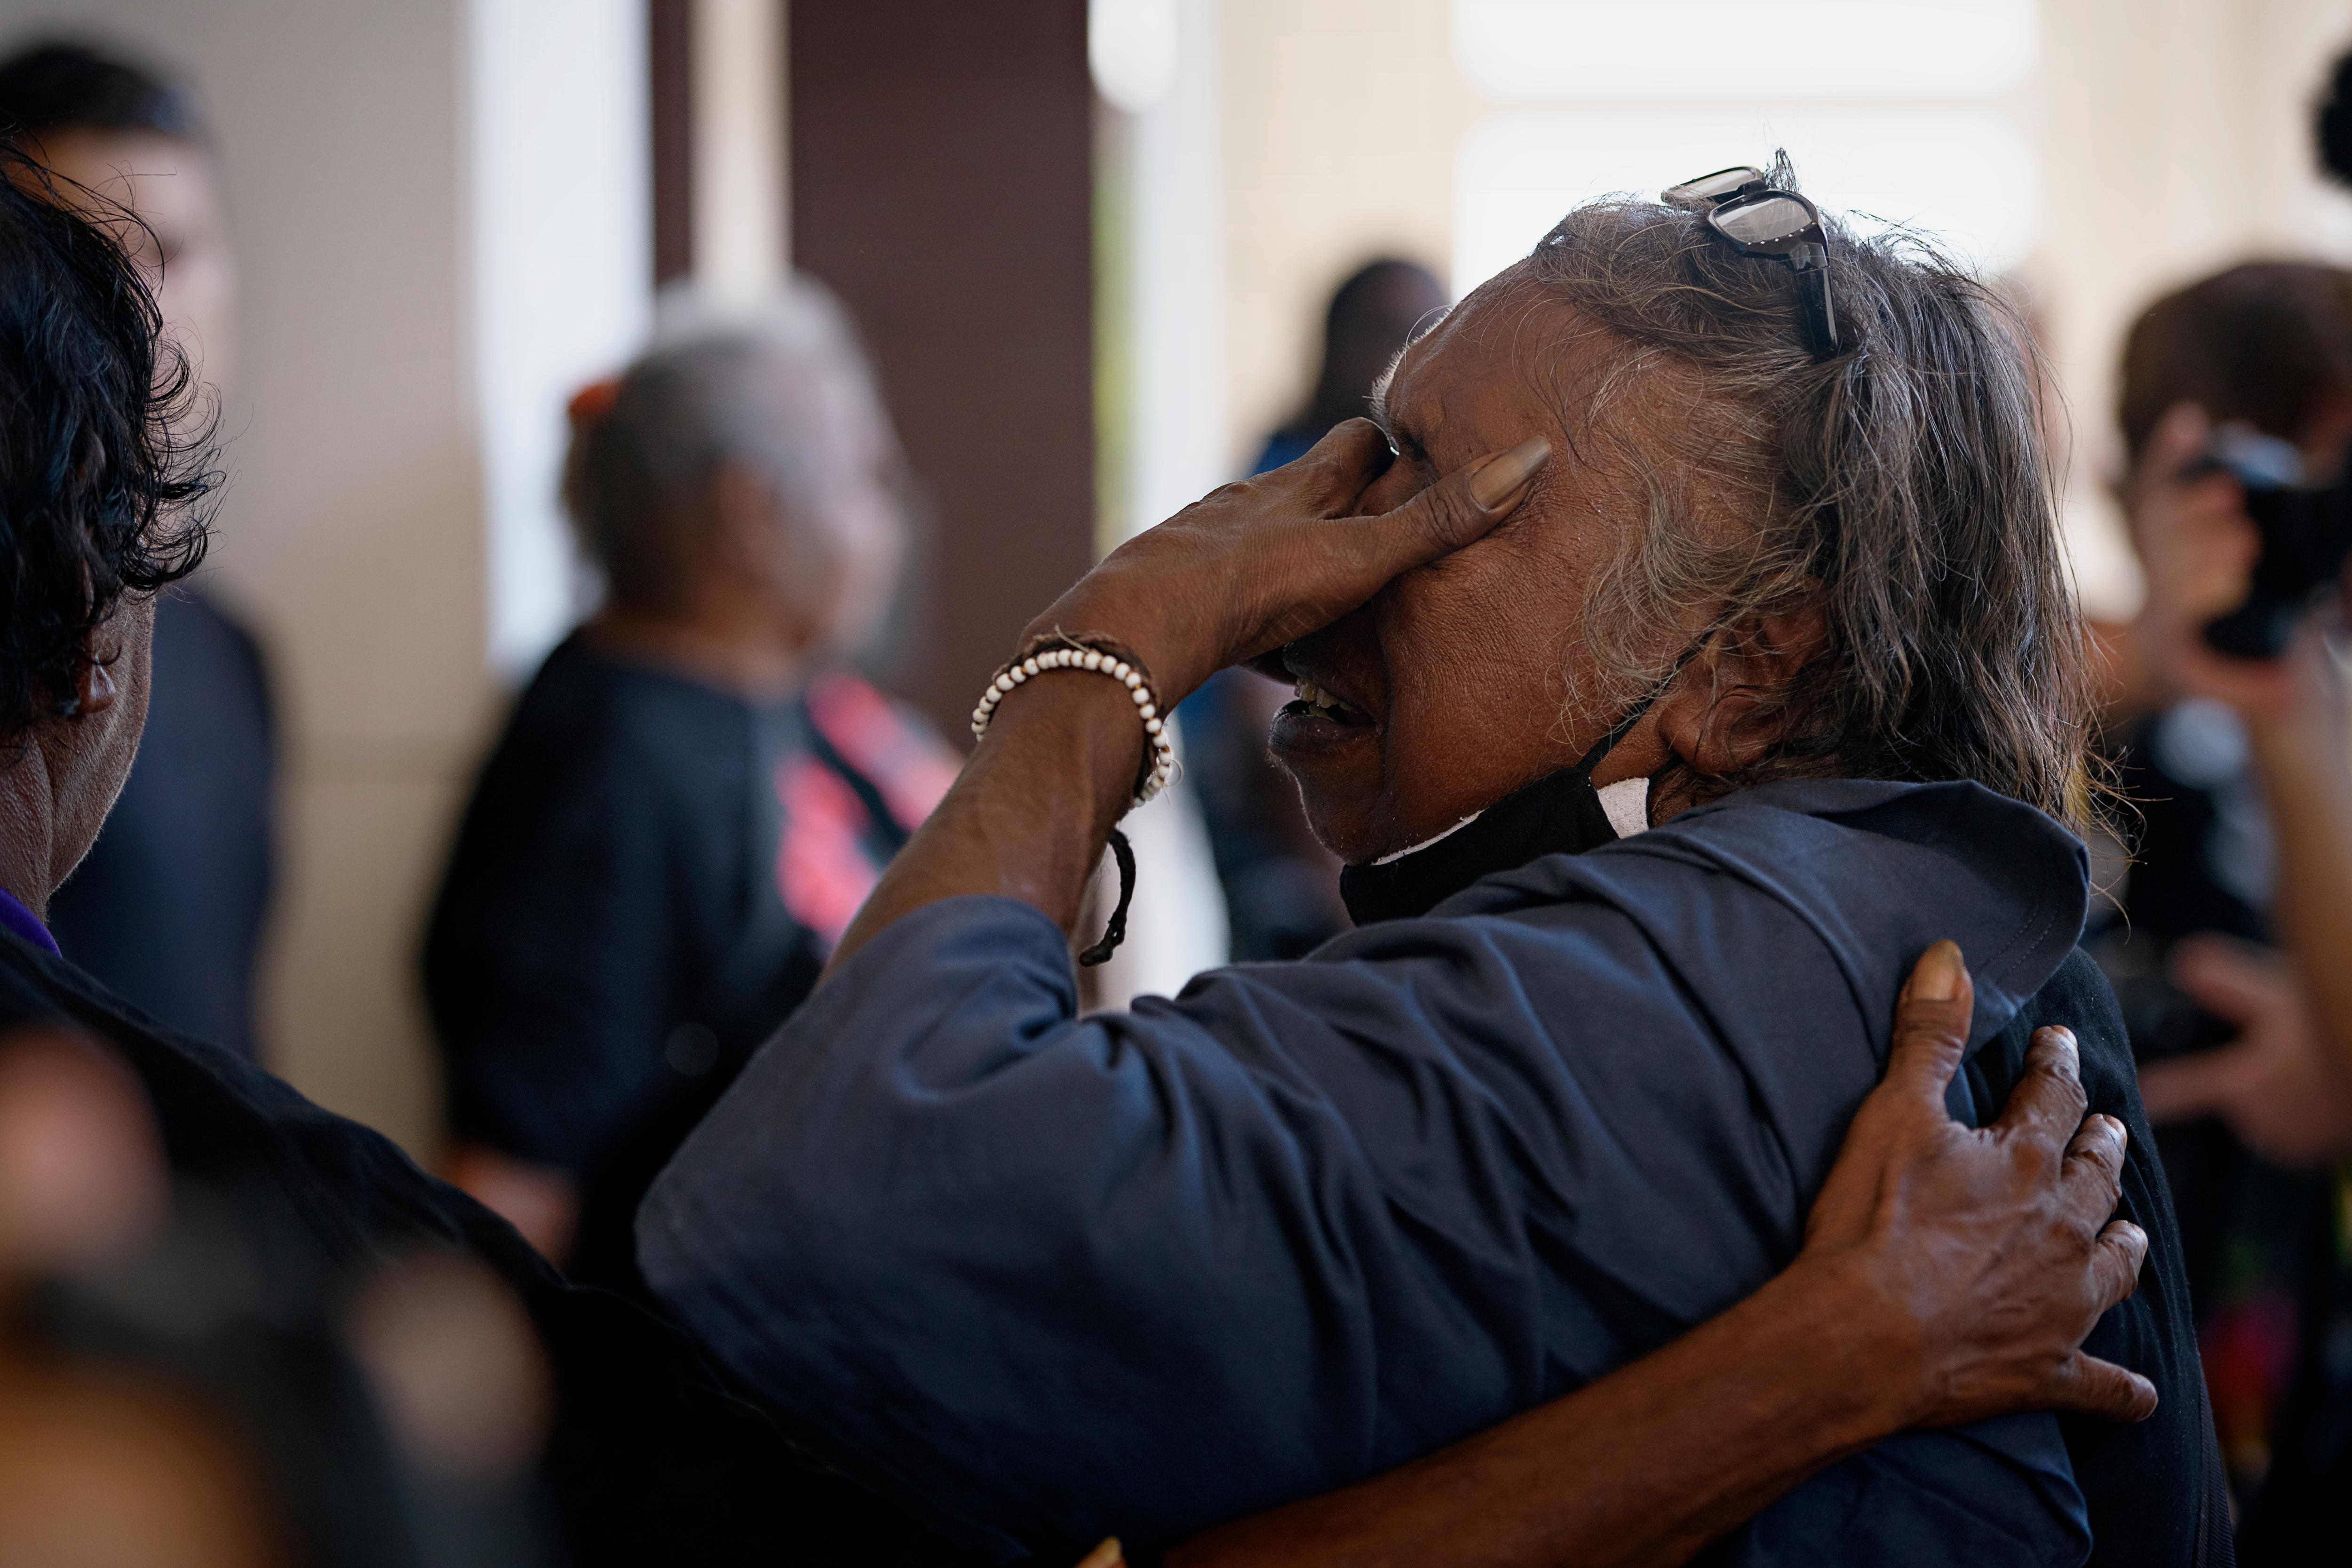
[(649, 876), (838, 835)]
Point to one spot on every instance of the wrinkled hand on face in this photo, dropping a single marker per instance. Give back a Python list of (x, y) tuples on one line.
[(1469, 676)]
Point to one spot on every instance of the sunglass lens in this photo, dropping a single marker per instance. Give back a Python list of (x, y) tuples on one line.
[(1763, 221)]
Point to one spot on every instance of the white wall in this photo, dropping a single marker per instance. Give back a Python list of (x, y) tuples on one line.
[(354, 532), (559, 170), (741, 214), (2173, 138), (2176, 139), (1160, 61)]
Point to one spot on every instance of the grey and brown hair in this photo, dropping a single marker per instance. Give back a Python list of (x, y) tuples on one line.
[(1901, 488), (782, 390)]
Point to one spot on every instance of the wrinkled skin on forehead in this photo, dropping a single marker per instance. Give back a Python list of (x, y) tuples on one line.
[(1457, 681)]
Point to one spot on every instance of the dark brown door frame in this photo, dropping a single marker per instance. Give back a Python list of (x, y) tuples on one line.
[(943, 187), (670, 55)]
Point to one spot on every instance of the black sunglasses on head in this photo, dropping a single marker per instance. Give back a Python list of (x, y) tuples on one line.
[(1771, 226)]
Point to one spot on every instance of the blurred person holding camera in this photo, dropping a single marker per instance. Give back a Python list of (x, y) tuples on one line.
[(2232, 925), (168, 910), (2227, 716)]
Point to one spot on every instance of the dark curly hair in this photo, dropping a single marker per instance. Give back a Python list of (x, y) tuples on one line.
[(106, 441), (65, 84)]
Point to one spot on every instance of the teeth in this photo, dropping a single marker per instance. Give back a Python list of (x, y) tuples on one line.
[(1315, 697)]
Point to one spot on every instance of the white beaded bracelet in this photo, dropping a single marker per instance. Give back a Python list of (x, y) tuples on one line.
[(1072, 653)]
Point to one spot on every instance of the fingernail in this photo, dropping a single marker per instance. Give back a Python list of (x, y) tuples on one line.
[(1107, 1555), (1495, 482), (1938, 978)]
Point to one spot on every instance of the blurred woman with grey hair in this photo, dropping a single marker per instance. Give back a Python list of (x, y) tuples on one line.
[(695, 793)]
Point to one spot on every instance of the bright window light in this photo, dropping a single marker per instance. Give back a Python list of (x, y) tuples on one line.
[(1131, 50), (1524, 51), (1965, 177)]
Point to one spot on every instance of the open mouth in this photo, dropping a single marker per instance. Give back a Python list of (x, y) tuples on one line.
[(1313, 702)]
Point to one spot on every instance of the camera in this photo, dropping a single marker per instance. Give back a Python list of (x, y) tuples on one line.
[(2307, 534)]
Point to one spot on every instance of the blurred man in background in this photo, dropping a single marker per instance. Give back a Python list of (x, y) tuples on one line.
[(696, 792), (1282, 889), (168, 909), (2227, 946)]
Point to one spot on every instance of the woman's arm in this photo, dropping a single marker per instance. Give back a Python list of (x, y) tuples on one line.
[(2199, 548), (2300, 749), (1948, 1274), (1236, 576)]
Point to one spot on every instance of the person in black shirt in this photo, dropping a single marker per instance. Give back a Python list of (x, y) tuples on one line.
[(169, 907), (695, 793), (2227, 943)]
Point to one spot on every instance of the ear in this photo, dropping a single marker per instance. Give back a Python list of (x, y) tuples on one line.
[(93, 689), (1709, 716)]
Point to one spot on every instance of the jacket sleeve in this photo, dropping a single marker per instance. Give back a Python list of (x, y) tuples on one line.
[(1147, 1271)]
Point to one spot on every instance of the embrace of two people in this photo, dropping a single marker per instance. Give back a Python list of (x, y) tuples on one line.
[(1670, 682)]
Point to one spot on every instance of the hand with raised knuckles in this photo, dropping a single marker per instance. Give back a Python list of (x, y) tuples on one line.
[(1994, 1244), (1948, 1274)]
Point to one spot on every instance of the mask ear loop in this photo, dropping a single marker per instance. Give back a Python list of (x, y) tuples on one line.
[(1633, 715)]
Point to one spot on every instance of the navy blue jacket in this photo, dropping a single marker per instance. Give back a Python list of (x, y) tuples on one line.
[(1141, 1272), (167, 908)]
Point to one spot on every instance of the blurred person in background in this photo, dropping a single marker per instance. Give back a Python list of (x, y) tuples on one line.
[(105, 466), (1371, 315), (168, 910), (1947, 1273), (98, 1466), (2230, 940), (696, 791), (1282, 887), (180, 1384)]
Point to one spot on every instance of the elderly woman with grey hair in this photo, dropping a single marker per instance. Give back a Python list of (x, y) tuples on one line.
[(1948, 1274), (1685, 649), (696, 792)]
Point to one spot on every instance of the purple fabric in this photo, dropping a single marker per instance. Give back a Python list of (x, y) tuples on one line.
[(23, 923)]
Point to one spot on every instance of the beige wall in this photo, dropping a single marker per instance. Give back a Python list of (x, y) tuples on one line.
[(1341, 118), (2175, 137), (352, 531)]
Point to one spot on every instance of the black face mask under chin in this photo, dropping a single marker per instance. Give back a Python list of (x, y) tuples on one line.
[(1560, 815)]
